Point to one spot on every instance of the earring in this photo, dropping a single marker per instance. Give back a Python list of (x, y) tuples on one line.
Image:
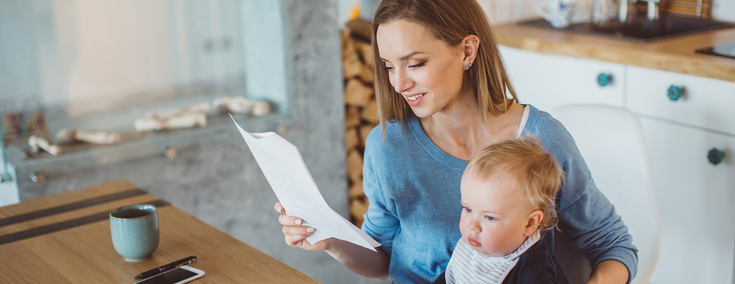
[(467, 67)]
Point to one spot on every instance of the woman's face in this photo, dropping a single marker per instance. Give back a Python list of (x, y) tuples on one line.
[(425, 71)]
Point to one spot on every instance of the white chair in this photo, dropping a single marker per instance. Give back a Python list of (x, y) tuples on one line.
[(612, 143)]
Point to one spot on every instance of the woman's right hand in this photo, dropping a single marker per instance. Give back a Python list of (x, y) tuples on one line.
[(296, 234), (362, 261)]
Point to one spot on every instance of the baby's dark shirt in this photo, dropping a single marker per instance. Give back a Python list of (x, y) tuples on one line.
[(535, 266)]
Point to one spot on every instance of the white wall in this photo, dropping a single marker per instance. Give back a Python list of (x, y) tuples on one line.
[(343, 11), (509, 11), (499, 11), (724, 10), (116, 48), (19, 72), (264, 52), (90, 56)]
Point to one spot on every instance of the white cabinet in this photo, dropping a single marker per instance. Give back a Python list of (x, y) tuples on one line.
[(703, 102), (696, 199), (549, 81), (696, 203), (684, 117)]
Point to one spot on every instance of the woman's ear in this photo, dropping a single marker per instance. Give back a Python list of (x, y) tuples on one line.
[(471, 44), (534, 220)]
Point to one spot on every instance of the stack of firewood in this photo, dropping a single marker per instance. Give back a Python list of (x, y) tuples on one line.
[(361, 111)]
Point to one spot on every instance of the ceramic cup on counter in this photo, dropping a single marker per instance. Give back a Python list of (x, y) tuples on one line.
[(557, 12), (134, 231)]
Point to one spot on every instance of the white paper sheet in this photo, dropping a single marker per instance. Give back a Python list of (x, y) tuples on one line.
[(287, 174)]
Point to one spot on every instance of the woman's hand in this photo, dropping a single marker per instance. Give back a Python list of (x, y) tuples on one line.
[(296, 233), (358, 259)]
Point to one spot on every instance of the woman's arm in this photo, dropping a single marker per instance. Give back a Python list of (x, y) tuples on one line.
[(600, 234), (585, 214), (609, 271), (358, 259)]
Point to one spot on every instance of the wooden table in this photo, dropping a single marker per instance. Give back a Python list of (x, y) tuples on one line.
[(65, 238)]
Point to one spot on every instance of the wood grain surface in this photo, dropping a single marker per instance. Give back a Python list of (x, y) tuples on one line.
[(674, 55), (84, 254)]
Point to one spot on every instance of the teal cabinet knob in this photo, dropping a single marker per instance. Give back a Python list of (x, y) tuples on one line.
[(674, 93), (715, 156), (604, 79)]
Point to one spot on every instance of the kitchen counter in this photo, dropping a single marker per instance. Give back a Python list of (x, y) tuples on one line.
[(673, 55)]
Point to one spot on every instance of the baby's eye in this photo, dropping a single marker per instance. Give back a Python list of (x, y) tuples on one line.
[(489, 218), (467, 209)]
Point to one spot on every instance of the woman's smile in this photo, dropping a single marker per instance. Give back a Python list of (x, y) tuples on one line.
[(414, 99)]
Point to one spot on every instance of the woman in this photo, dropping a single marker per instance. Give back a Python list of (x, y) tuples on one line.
[(443, 95)]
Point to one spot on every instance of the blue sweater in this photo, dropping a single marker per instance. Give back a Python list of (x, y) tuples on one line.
[(414, 211)]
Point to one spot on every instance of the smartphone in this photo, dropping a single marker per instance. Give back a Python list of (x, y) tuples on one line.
[(179, 275)]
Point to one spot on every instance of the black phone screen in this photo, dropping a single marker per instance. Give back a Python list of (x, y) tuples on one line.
[(170, 277)]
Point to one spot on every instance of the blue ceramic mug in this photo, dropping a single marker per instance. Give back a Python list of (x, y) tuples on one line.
[(134, 231)]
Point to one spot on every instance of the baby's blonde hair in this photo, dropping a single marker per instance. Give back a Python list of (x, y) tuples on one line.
[(536, 172)]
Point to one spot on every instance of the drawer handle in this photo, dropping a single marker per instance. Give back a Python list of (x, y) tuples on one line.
[(604, 79), (674, 93), (715, 156)]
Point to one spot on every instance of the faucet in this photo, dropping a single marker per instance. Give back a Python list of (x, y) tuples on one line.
[(601, 11), (623, 10), (652, 8)]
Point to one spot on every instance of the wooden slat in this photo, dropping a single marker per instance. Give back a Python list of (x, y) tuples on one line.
[(74, 214), (64, 225), (66, 198), (69, 207), (84, 254), (356, 93), (685, 7), (354, 166), (352, 140)]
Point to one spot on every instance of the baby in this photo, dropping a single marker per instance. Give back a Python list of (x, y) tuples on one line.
[(508, 193)]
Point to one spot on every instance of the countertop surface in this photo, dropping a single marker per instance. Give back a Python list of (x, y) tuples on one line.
[(673, 55)]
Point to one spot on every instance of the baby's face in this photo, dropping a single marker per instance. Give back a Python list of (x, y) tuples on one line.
[(495, 214)]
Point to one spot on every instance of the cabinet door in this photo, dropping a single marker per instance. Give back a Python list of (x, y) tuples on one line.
[(549, 81), (684, 98), (696, 203)]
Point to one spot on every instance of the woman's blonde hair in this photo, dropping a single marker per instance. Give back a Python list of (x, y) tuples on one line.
[(535, 171), (450, 21)]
